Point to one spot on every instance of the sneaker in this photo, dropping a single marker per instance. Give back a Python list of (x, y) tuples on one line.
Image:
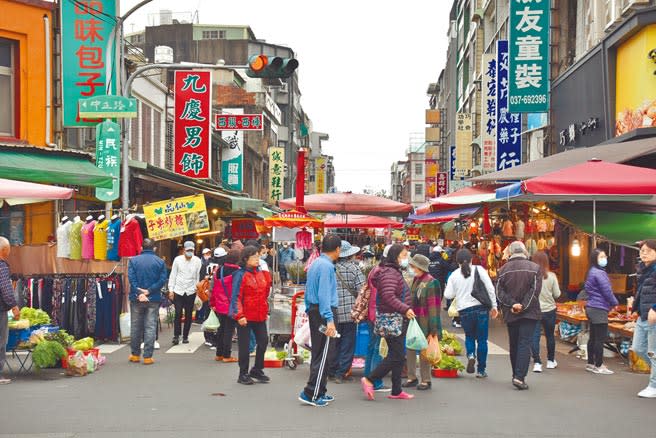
[(308, 401), (648, 392), (148, 361), (176, 340), (213, 348), (481, 375), (367, 388), (134, 358), (251, 354), (552, 364), (456, 325), (382, 388), (4, 381), (259, 376), (591, 368), (230, 360), (208, 344), (471, 365), (245, 379), (401, 396), (142, 345), (327, 398), (185, 340), (156, 346), (603, 370), (537, 368)]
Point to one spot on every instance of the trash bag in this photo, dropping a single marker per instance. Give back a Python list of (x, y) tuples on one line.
[(432, 353), (383, 348), (211, 324), (415, 339), (302, 337)]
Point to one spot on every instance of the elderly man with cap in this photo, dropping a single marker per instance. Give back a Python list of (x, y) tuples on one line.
[(182, 290), (350, 280), (518, 290)]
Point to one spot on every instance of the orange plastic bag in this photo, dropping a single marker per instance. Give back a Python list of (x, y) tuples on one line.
[(432, 353)]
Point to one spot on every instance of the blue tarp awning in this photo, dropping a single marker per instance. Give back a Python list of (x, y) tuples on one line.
[(510, 191)]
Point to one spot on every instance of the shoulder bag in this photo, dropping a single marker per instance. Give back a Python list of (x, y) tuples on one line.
[(479, 291), (389, 325)]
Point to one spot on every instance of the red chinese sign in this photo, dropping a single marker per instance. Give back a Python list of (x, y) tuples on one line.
[(244, 229), (238, 122), (193, 112), (412, 233), (442, 183)]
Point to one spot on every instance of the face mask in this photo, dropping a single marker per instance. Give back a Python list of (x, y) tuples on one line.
[(603, 262), (412, 273), (405, 263), (263, 256), (189, 253)]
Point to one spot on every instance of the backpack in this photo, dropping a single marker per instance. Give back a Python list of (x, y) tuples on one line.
[(360, 309)]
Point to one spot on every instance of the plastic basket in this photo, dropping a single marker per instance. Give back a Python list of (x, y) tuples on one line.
[(273, 363), (17, 336), (445, 374), (95, 352)]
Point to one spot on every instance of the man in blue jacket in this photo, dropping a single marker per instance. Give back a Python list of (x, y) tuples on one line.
[(147, 274)]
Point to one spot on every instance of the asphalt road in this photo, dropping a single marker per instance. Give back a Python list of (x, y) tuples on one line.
[(190, 395)]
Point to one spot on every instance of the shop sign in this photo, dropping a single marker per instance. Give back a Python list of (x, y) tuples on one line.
[(108, 107), (232, 156), (320, 172), (463, 143), (276, 173), (509, 125), (452, 163), (272, 108), (108, 157), (176, 217), (442, 184), (489, 113), (577, 130), (234, 122), (529, 56), (193, 110), (85, 34), (244, 229), (432, 152), (412, 234)]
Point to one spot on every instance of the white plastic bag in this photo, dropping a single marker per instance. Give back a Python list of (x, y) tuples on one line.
[(211, 324), (125, 325), (303, 337)]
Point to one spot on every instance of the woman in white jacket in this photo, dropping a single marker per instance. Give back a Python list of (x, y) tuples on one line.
[(474, 316)]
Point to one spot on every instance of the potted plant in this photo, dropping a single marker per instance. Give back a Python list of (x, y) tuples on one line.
[(296, 272), (448, 367)]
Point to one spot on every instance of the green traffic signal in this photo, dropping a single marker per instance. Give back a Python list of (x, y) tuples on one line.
[(261, 66)]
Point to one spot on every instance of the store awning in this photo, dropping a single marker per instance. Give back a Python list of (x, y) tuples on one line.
[(48, 166), (20, 192), (466, 196), (243, 204), (441, 216), (613, 153)]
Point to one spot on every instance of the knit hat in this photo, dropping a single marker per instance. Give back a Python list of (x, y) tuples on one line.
[(517, 249)]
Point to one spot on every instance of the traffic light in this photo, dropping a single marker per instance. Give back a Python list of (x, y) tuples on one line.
[(262, 66)]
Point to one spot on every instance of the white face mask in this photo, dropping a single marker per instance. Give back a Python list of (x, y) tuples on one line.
[(603, 262), (189, 254), (404, 263)]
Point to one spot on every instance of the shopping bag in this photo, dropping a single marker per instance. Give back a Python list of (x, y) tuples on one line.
[(124, 323), (211, 324), (432, 353), (302, 337), (453, 310), (198, 304), (382, 348), (414, 338)]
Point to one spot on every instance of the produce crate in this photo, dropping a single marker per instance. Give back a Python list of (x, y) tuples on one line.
[(273, 363), (445, 374), (15, 337)]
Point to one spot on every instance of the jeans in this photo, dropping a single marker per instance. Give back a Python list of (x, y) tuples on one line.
[(186, 303), (373, 357), (244, 336), (317, 383), (4, 334), (475, 322), (644, 344), (342, 357), (598, 335), (223, 339), (143, 325), (393, 362), (521, 333), (549, 325)]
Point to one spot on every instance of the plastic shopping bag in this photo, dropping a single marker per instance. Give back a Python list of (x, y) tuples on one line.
[(432, 353), (453, 310), (125, 325), (211, 324), (302, 337), (415, 339), (382, 348)]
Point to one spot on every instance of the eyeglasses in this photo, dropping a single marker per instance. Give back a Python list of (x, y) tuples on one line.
[(645, 250)]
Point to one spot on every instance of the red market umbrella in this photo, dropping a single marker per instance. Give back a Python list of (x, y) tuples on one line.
[(293, 219), (350, 203), (360, 221), (21, 192)]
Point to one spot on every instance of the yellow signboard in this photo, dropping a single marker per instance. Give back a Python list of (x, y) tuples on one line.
[(276, 174), (463, 143), (176, 217), (320, 175)]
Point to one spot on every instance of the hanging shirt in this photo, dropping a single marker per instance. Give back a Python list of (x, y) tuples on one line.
[(87, 240), (100, 240), (508, 229), (519, 229), (131, 239), (75, 239), (63, 240), (113, 234)]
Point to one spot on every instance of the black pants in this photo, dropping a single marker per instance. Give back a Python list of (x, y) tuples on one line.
[(393, 362), (598, 335), (521, 334), (186, 303), (316, 385), (244, 336), (223, 336)]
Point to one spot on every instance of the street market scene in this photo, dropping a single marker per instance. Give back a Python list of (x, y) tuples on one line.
[(204, 232)]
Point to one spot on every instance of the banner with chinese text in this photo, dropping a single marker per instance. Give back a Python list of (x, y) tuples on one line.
[(193, 113), (509, 125), (244, 122), (85, 30), (529, 56), (108, 157), (177, 217), (463, 143), (232, 156), (320, 171), (276, 174), (244, 229), (489, 113)]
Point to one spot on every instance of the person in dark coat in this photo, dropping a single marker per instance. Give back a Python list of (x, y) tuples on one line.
[(644, 306), (518, 289)]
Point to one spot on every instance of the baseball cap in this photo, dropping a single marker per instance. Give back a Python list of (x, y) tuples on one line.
[(189, 245), (438, 248), (220, 252), (206, 250)]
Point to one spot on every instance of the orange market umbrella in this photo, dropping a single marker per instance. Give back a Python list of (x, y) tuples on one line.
[(293, 219)]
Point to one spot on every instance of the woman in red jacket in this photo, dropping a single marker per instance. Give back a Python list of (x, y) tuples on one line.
[(250, 308)]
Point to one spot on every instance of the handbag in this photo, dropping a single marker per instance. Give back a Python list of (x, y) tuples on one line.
[(203, 290), (479, 291), (389, 324), (360, 309)]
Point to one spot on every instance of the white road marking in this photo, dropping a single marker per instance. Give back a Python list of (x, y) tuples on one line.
[(492, 348), (110, 348), (196, 339)]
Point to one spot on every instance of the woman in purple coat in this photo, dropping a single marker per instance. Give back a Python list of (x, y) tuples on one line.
[(600, 301)]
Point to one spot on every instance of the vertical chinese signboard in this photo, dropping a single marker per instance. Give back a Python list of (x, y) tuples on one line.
[(463, 143), (509, 125), (232, 156), (489, 113), (85, 31), (108, 157), (193, 113), (529, 56), (442, 184), (320, 171), (276, 173)]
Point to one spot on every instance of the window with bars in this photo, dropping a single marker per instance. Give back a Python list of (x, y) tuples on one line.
[(157, 138), (168, 145), (8, 108), (419, 189), (146, 133)]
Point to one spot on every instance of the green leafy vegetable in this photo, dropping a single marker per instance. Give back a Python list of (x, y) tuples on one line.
[(35, 316), (62, 337), (47, 353), (450, 363)]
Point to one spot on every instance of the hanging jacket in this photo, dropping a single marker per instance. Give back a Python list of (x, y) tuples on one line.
[(250, 294), (87, 240), (100, 240), (113, 235), (131, 239), (222, 291), (75, 240), (63, 240)]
